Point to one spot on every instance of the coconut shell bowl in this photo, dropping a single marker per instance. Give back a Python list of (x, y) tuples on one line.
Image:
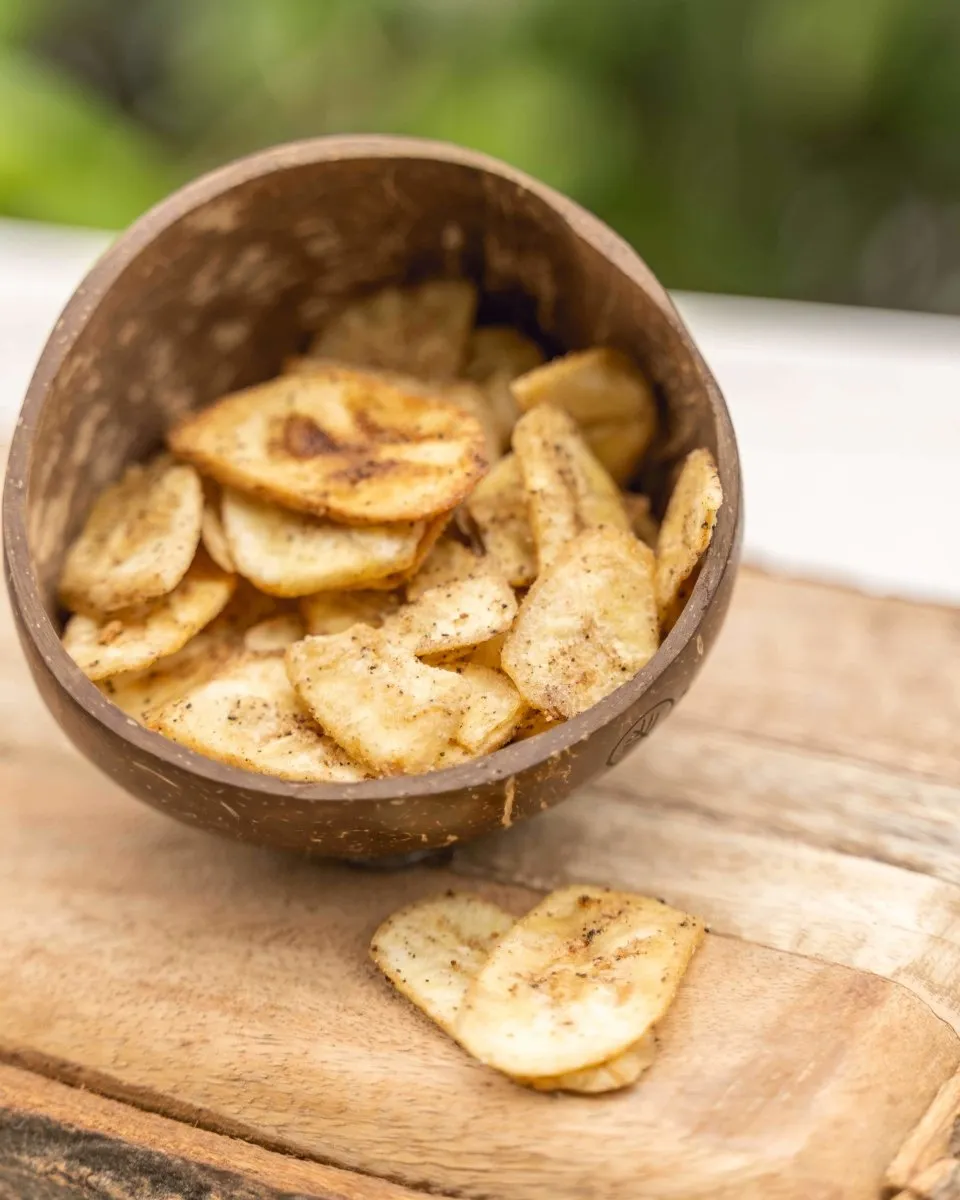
[(210, 292)]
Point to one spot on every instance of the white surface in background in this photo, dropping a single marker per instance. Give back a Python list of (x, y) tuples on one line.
[(848, 419)]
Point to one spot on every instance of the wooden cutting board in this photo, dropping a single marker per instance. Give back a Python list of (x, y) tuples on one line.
[(216, 1005)]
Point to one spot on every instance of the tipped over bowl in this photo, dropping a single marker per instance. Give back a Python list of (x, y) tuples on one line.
[(214, 290)]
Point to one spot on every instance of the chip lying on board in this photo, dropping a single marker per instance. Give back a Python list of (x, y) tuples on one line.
[(420, 330), (138, 541), (338, 443), (249, 716), (437, 951), (375, 697), (136, 638), (567, 488), (686, 532), (581, 978), (586, 626), (290, 554), (421, 518)]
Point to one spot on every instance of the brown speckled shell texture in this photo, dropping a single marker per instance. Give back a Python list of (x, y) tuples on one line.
[(209, 292)]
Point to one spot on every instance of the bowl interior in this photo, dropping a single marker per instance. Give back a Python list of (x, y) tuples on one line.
[(213, 289)]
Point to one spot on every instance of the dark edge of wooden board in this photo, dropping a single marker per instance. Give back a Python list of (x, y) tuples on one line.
[(60, 1141)]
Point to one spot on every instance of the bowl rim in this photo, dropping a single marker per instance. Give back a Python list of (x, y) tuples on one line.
[(501, 764)]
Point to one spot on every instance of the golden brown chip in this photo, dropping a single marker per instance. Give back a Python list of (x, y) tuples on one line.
[(338, 443), (461, 393), (593, 386), (449, 561), (498, 506), (587, 625), (454, 616), (336, 612), (493, 710), (249, 716), (247, 607), (487, 654), (686, 532), (496, 350), (581, 978), (211, 529), (138, 541), (568, 491), (618, 446), (137, 637), (378, 700), (290, 554), (420, 330), (496, 355), (431, 951), (533, 724), (642, 521), (621, 1071), (274, 634), (139, 693)]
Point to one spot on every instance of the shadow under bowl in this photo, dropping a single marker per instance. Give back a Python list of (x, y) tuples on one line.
[(209, 292)]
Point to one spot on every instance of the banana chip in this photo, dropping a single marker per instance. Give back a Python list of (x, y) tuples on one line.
[(449, 561), (339, 443), (487, 654), (139, 693), (493, 710), (249, 716), (586, 626), (289, 554), (137, 637), (336, 612), (377, 700), (580, 979), (621, 1071), (642, 521), (463, 394), (686, 532), (455, 616), (593, 386), (618, 446), (138, 541), (274, 634), (211, 530), (433, 950), (496, 355), (499, 350), (533, 724), (420, 330), (567, 489), (499, 508)]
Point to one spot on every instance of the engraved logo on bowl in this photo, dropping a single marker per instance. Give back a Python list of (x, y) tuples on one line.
[(638, 731)]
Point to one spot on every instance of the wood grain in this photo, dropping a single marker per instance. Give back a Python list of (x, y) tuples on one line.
[(773, 890), (59, 1142), (826, 669), (230, 987), (928, 1163)]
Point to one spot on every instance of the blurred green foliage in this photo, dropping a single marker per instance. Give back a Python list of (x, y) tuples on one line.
[(802, 148)]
